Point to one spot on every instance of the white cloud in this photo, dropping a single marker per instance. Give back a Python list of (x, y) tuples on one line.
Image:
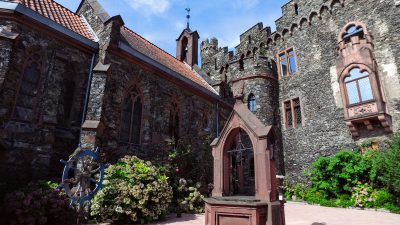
[(179, 26), (149, 7)]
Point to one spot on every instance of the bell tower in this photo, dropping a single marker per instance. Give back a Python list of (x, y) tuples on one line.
[(187, 44)]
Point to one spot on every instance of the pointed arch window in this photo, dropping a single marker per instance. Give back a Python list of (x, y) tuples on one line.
[(185, 42), (28, 90), (251, 103), (358, 87), (174, 122), (131, 120)]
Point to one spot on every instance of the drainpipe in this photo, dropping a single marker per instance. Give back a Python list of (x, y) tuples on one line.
[(217, 119), (89, 83)]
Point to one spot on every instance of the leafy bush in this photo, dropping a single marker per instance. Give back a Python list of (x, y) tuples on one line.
[(38, 203), (388, 165), (134, 191), (295, 190), (337, 175)]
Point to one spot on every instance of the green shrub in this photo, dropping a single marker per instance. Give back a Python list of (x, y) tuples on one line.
[(38, 203), (388, 165), (298, 190), (134, 191), (392, 207), (337, 175), (381, 197)]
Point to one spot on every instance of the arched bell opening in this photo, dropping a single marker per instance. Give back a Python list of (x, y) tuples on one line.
[(238, 165)]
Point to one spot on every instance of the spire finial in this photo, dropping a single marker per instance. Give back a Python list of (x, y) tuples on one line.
[(188, 17)]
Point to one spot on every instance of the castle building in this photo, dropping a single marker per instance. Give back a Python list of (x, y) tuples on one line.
[(325, 80)]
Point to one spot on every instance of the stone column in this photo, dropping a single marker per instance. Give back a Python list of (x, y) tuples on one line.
[(93, 128), (7, 38)]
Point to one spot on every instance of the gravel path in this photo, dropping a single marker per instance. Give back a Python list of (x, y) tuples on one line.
[(302, 214)]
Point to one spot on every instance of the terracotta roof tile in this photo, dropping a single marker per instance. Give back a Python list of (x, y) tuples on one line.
[(72, 21), (149, 49), (59, 14)]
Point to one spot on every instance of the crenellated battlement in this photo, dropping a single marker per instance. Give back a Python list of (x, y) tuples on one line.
[(307, 13)]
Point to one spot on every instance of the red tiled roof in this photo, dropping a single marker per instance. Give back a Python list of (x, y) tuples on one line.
[(149, 49), (72, 21), (59, 14)]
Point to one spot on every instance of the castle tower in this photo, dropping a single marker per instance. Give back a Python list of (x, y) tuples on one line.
[(208, 49)]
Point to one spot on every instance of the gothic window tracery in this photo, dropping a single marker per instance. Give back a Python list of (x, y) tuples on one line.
[(131, 117), (359, 80)]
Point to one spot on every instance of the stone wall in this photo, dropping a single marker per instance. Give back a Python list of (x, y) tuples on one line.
[(30, 147), (197, 116)]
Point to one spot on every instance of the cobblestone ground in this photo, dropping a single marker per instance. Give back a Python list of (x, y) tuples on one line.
[(302, 214)]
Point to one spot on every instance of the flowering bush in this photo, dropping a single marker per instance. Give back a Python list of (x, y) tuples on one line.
[(189, 198), (134, 191), (38, 203), (363, 196)]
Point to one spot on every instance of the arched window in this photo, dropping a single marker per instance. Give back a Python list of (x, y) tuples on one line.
[(296, 9), (28, 90), (241, 63), (358, 87), (251, 103), (65, 115), (351, 31), (174, 122), (185, 42), (131, 117)]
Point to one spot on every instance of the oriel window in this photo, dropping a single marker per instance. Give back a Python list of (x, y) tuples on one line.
[(358, 87)]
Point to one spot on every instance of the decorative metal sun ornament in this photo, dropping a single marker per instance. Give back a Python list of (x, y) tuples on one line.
[(82, 177)]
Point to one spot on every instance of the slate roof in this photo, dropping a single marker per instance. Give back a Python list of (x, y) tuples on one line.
[(59, 14)]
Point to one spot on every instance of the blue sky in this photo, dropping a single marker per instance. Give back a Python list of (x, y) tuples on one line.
[(161, 21)]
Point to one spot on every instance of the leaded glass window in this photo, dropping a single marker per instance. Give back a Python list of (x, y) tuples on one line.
[(293, 113), (251, 103), (358, 87), (297, 111), (288, 114)]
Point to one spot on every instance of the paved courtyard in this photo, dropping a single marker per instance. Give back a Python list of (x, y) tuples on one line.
[(302, 214)]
